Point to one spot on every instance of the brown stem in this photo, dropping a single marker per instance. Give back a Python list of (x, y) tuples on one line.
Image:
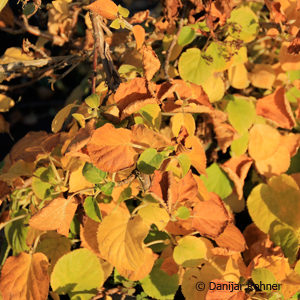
[(112, 76), (169, 52)]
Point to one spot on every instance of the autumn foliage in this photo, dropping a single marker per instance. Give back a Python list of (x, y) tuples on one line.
[(192, 118)]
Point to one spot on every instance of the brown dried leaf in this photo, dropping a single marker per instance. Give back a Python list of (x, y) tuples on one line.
[(146, 137), (237, 169), (151, 63)]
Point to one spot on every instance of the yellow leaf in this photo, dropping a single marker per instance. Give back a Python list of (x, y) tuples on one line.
[(120, 240), (25, 277), (77, 181), (61, 117), (6, 103), (214, 87), (14, 54), (153, 214), (186, 120), (238, 76), (262, 76), (195, 282)]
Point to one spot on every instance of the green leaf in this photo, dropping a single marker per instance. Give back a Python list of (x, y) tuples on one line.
[(107, 188), (155, 235), (218, 53), (185, 163), (241, 113), (92, 173), (285, 237), (80, 119), (293, 94), (193, 67), (158, 284), (41, 188), (203, 26), (116, 24), (295, 164), (264, 276), (78, 274), (2, 4), (191, 250), (151, 113), (279, 200), (124, 12), (92, 210), (149, 161), (183, 213), (244, 24), (29, 9), (217, 181), (293, 75), (186, 36), (93, 101), (16, 233), (125, 194), (239, 146)]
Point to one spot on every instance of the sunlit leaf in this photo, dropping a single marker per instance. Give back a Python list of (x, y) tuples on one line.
[(193, 67), (31, 272), (191, 250), (78, 274)]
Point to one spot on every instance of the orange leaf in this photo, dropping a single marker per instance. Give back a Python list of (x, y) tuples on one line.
[(25, 277), (148, 138), (289, 61), (57, 215), (110, 149), (225, 133), (196, 154), (166, 187), (105, 8), (88, 232), (136, 106), (231, 238), (276, 108), (191, 92), (210, 218), (139, 35), (130, 92), (237, 169), (151, 62)]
